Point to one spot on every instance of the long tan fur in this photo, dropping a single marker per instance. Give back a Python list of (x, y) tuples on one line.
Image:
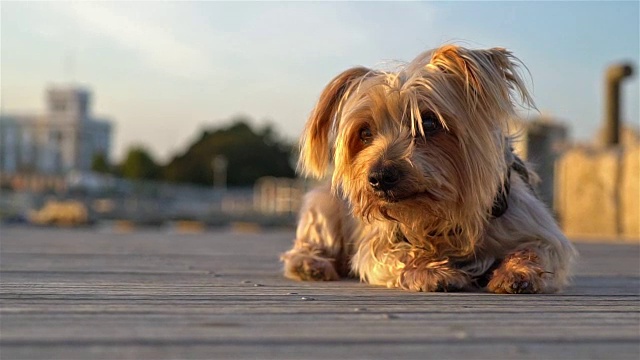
[(433, 230)]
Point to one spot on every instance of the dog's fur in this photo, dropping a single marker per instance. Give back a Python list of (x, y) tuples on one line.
[(430, 227)]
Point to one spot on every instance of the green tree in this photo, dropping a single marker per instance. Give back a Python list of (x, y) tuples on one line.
[(100, 164), (250, 154), (139, 164)]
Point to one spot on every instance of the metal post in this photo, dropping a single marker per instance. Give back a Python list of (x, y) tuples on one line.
[(614, 76), (219, 165)]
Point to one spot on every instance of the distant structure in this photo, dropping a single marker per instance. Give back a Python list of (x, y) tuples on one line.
[(599, 184), (541, 141), (65, 138)]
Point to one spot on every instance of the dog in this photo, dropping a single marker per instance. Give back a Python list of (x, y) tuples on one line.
[(425, 191)]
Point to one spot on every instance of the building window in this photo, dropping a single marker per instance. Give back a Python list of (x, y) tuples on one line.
[(55, 137), (59, 105)]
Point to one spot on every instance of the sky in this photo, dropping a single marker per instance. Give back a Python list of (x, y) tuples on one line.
[(163, 71)]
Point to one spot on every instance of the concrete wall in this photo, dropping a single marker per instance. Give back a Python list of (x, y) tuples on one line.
[(598, 192), (630, 193)]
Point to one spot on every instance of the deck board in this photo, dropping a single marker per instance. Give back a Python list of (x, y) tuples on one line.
[(78, 293)]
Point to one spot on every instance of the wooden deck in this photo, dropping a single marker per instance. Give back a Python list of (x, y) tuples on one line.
[(87, 294)]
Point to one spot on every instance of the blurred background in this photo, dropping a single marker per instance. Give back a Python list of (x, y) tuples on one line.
[(187, 114)]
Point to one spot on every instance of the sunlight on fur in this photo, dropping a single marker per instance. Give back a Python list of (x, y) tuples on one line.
[(425, 193)]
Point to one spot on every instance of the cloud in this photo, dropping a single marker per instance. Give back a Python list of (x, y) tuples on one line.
[(153, 42)]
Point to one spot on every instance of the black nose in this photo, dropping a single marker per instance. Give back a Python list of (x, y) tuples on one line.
[(384, 177)]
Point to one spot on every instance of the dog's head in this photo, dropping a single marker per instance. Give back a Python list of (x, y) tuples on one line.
[(427, 141)]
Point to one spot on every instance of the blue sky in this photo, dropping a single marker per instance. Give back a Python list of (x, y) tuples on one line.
[(164, 70)]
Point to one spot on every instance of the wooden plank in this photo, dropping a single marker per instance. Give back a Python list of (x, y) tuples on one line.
[(157, 294)]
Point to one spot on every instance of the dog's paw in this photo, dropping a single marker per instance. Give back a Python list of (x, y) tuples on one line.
[(520, 273), (307, 267), (504, 282), (432, 276)]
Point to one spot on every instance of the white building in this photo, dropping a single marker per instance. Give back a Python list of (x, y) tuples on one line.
[(66, 138)]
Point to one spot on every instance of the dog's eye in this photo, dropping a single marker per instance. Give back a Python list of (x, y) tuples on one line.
[(365, 135), (430, 123)]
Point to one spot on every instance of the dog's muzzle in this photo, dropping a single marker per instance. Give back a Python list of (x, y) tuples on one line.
[(384, 177)]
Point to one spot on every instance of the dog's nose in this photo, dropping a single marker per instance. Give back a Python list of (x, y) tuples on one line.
[(384, 177)]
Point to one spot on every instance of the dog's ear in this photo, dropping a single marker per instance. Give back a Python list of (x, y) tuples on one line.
[(314, 145), (490, 77)]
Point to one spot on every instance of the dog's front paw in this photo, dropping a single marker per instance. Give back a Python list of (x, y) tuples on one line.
[(432, 276), (504, 282), (520, 273), (306, 267)]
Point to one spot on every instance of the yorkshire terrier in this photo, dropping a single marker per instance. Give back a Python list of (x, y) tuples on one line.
[(426, 193)]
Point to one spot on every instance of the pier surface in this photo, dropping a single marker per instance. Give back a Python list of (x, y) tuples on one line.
[(157, 294)]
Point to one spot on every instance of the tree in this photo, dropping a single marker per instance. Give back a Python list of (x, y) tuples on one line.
[(250, 155), (100, 164), (139, 165)]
